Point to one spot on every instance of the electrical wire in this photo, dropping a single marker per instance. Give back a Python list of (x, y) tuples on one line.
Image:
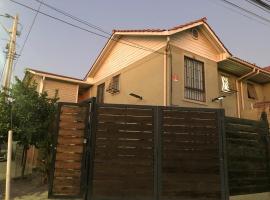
[(27, 36), (247, 11), (91, 25), (86, 30), (240, 13), (262, 4), (74, 17), (258, 6)]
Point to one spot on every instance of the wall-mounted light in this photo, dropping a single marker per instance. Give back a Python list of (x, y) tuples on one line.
[(218, 98), (136, 96)]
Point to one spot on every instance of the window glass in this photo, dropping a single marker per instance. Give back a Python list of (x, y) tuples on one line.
[(100, 93)]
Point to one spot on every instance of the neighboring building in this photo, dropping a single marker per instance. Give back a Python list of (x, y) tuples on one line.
[(187, 66), (68, 89)]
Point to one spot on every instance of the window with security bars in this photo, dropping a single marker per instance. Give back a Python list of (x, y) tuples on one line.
[(194, 80), (113, 87)]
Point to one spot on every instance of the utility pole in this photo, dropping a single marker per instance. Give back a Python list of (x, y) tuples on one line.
[(10, 55), (6, 85)]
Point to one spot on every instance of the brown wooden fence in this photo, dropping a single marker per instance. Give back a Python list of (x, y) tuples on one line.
[(114, 152), (68, 172), (191, 146), (248, 156)]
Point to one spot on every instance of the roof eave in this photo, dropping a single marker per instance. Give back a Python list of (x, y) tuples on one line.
[(54, 77)]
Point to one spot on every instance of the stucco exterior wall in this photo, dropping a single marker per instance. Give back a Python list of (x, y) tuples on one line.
[(248, 110), (211, 80), (266, 92), (144, 78), (67, 92)]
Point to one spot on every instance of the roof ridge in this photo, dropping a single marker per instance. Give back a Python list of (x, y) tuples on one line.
[(203, 19)]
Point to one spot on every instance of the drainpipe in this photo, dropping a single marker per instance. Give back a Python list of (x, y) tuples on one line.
[(165, 79), (240, 80)]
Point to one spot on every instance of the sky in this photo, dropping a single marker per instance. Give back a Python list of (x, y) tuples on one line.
[(59, 48)]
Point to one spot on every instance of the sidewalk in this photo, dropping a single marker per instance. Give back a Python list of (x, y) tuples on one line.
[(29, 188)]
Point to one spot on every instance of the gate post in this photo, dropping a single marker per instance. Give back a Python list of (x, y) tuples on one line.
[(91, 141), (223, 155), (53, 149), (157, 121)]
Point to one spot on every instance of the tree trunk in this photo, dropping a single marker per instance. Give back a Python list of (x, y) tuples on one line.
[(24, 158)]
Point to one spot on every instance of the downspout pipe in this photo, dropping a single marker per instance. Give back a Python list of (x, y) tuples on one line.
[(165, 74)]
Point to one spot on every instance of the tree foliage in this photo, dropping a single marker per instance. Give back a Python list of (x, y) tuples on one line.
[(30, 114)]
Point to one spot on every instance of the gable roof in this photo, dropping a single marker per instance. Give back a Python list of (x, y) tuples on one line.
[(57, 76), (155, 32)]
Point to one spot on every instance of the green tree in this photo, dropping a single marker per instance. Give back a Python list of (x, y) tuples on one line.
[(31, 118)]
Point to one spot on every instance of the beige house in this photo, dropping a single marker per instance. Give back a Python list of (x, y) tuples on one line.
[(67, 88), (187, 66)]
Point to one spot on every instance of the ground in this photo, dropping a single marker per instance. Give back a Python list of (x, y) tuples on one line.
[(30, 188)]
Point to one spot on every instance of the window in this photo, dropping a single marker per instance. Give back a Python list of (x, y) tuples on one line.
[(194, 80), (114, 85), (225, 84), (251, 91), (100, 93)]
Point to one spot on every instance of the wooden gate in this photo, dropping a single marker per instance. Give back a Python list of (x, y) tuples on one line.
[(68, 170), (157, 153)]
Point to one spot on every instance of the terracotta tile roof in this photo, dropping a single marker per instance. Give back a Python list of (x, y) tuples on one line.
[(161, 30), (52, 74), (204, 19), (138, 30), (267, 68)]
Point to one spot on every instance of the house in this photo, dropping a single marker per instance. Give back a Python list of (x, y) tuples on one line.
[(186, 66), (67, 88)]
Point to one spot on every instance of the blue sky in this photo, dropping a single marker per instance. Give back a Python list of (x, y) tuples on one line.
[(59, 48)]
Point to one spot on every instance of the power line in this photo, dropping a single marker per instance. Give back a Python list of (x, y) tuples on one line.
[(262, 4), (74, 17), (247, 11), (27, 36), (91, 25), (258, 6), (84, 29), (240, 13)]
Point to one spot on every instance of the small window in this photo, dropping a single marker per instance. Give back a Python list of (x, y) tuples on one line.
[(114, 85), (251, 91), (100, 93), (194, 80)]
